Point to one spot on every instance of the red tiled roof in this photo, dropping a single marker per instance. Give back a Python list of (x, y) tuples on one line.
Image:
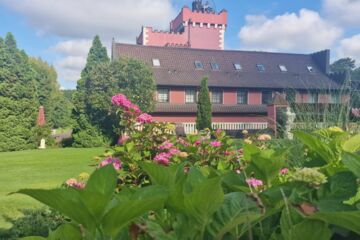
[(177, 68)]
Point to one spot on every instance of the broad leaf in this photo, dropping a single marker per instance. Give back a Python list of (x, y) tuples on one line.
[(349, 220), (144, 200), (352, 162), (316, 145), (66, 201), (204, 199), (309, 230), (99, 190), (352, 144), (237, 209), (66, 231), (160, 175)]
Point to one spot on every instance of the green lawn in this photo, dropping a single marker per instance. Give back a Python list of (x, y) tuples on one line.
[(38, 169)]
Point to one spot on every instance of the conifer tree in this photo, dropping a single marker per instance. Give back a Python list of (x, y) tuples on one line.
[(203, 116)]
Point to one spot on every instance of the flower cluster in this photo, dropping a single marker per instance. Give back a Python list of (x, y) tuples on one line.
[(309, 175), (123, 139), (72, 182), (164, 157), (253, 182), (121, 100), (215, 144), (166, 145), (144, 118), (284, 171), (110, 160), (264, 137)]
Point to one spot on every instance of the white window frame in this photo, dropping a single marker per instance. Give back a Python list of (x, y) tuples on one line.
[(194, 95), (283, 68), (262, 96), (311, 99), (247, 96), (237, 66), (167, 93), (221, 96), (156, 62)]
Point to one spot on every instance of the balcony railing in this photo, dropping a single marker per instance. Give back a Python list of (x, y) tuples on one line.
[(190, 128)]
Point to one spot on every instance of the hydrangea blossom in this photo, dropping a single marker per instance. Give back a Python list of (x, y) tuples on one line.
[(110, 160), (215, 144), (123, 139), (253, 182), (121, 100), (166, 145), (174, 151), (144, 118), (284, 171), (72, 182), (197, 143), (162, 158)]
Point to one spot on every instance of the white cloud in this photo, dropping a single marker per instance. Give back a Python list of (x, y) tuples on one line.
[(72, 58), (344, 12), (350, 47), (305, 31), (85, 18)]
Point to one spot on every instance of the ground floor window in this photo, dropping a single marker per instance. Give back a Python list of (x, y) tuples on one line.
[(190, 96), (242, 97), (266, 97), (163, 95), (313, 97), (216, 96)]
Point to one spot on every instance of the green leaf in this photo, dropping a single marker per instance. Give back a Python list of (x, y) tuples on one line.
[(204, 199), (142, 201), (349, 219), (66, 231), (99, 190), (237, 209), (316, 145), (66, 201), (352, 162), (309, 230), (157, 232), (32, 238), (352, 144), (266, 165), (160, 175)]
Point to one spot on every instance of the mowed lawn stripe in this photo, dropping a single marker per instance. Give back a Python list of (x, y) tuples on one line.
[(38, 169)]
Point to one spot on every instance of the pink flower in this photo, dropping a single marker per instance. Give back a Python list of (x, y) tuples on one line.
[(162, 158), (121, 101), (215, 144), (144, 118), (183, 142), (135, 108), (238, 171), (166, 145), (72, 182), (114, 161), (253, 182), (174, 151), (123, 139), (284, 171), (228, 153), (197, 143)]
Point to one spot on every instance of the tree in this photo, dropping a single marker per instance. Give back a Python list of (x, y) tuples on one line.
[(18, 97), (342, 65), (100, 80), (203, 116)]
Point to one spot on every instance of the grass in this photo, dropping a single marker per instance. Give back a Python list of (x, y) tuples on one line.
[(38, 169)]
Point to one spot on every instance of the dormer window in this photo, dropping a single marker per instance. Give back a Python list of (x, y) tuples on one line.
[(260, 67), (214, 66), (310, 69), (283, 68), (237, 66), (199, 65), (156, 62)]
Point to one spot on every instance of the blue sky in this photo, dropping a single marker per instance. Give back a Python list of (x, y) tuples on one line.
[(60, 32)]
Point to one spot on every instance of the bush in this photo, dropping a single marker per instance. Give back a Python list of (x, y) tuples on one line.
[(34, 223)]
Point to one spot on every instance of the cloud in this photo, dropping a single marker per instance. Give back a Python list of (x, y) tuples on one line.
[(85, 18), (72, 58), (303, 32), (344, 12), (350, 47)]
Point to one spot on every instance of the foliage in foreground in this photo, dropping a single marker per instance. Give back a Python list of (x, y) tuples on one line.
[(203, 188)]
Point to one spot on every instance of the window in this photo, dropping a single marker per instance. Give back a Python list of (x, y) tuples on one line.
[(216, 96), (190, 96), (310, 69), (242, 97), (283, 68), (313, 97), (214, 66), (291, 96), (260, 67), (335, 98), (199, 65), (163, 95), (266, 97), (156, 62), (237, 66)]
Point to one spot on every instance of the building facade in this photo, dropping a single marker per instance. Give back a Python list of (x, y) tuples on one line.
[(242, 83)]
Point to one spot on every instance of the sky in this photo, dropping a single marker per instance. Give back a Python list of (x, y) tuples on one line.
[(61, 31)]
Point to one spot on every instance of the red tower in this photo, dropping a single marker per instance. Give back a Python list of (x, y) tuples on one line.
[(199, 27), (41, 117)]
